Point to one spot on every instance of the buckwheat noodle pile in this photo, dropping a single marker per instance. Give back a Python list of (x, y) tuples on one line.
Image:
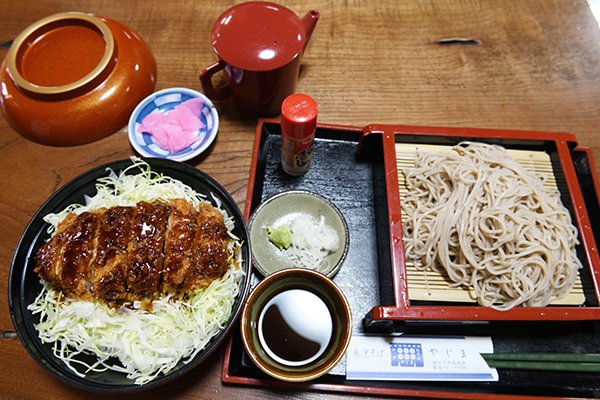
[(478, 216)]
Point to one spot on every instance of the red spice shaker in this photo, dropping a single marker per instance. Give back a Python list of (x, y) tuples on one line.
[(298, 124)]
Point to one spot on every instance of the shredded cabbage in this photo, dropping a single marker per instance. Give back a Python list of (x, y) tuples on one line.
[(127, 189), (146, 343)]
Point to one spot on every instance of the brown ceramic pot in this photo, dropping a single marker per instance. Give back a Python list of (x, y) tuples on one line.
[(74, 78)]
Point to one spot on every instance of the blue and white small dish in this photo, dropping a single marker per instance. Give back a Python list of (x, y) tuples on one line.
[(164, 101)]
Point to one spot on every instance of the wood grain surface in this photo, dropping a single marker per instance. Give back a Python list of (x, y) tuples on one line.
[(514, 64)]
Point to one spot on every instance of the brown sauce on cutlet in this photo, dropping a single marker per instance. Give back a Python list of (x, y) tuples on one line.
[(179, 243), (209, 256), (146, 242), (77, 253), (108, 277), (48, 257), (123, 254), (113, 233)]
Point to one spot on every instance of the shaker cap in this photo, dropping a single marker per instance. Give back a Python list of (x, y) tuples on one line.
[(299, 115)]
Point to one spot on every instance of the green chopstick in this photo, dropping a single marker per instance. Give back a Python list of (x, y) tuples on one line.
[(559, 357), (544, 361)]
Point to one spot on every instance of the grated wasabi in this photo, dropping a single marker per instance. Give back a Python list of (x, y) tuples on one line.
[(280, 236)]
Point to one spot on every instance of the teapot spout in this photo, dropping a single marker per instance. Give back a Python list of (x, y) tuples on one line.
[(309, 21)]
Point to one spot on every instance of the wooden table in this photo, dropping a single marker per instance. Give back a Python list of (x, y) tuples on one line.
[(527, 64)]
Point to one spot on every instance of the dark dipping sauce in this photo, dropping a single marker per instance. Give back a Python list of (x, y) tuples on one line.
[(295, 327)]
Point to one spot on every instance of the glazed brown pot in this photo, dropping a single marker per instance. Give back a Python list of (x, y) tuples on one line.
[(73, 78)]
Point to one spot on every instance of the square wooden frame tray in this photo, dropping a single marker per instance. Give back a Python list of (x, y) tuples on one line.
[(357, 185), (562, 149)]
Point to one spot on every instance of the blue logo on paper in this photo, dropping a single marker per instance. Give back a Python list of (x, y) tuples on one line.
[(406, 355)]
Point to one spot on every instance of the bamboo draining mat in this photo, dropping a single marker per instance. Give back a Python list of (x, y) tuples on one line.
[(433, 286)]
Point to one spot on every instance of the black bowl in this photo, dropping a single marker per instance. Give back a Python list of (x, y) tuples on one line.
[(24, 285)]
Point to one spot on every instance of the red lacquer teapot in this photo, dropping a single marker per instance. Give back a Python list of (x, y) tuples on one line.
[(259, 45)]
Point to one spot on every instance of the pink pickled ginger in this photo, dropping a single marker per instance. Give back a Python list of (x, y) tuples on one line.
[(177, 129)]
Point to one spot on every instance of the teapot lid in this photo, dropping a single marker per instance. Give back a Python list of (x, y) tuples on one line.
[(258, 36)]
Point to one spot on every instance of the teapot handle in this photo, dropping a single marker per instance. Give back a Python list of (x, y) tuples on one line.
[(211, 92)]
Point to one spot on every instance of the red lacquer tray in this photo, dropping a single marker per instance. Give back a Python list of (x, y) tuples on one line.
[(560, 147)]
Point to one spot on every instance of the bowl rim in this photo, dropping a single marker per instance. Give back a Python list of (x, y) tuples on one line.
[(22, 39), (246, 324), (330, 273), (212, 134)]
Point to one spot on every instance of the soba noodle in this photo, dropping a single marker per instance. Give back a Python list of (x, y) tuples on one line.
[(478, 216)]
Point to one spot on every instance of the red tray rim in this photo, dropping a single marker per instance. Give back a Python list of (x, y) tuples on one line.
[(403, 310)]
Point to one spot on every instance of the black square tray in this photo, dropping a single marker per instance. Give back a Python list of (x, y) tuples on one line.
[(357, 187)]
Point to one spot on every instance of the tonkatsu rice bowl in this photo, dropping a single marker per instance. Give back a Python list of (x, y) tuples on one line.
[(130, 275)]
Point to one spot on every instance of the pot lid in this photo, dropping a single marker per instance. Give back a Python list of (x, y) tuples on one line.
[(258, 36)]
